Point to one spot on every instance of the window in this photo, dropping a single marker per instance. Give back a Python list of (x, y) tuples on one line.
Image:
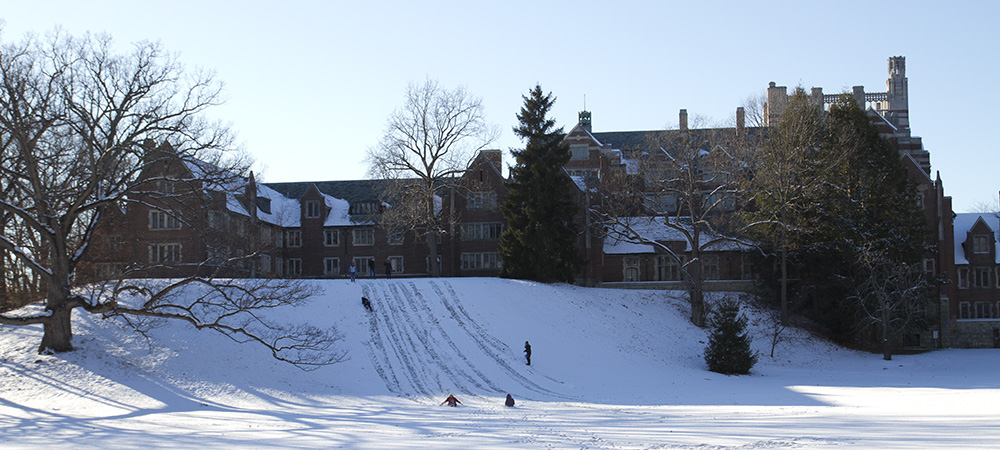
[(983, 310), (113, 243), (980, 243), (929, 268), (293, 238), (964, 310), (364, 208), (313, 209), (710, 267), (279, 266), (397, 264), (479, 261), (331, 267), (395, 237), (667, 268), (630, 268), (363, 236), (265, 263), (578, 152), (110, 270), (981, 278), (217, 219), (331, 237), (164, 187), (164, 253), (362, 263), (293, 267), (163, 220), (963, 277), (279, 237), (482, 200), (265, 236), (481, 231)]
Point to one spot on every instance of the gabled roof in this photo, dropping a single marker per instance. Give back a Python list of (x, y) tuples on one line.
[(964, 223)]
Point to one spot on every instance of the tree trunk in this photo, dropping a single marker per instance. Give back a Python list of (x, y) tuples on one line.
[(886, 347), (58, 330)]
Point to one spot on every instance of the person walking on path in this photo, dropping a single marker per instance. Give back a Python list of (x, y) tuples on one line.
[(510, 401), (527, 352), (388, 268), (451, 401), (371, 267), (353, 270)]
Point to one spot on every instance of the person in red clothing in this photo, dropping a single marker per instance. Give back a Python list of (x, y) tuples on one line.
[(451, 401)]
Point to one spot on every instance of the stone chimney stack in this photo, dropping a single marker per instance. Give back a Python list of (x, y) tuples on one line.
[(684, 120), (859, 96), (777, 98), (816, 96), (741, 120)]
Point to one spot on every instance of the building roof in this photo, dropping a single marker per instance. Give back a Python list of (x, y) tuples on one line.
[(654, 228), (963, 223)]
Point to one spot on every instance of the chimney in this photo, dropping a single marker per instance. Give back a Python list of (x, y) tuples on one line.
[(816, 96), (684, 120), (859, 96), (741, 120)]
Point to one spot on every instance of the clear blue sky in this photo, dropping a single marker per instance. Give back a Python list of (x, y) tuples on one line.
[(311, 83)]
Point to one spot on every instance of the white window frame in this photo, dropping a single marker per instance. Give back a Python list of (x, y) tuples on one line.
[(265, 263), (963, 277), (480, 260), (397, 264), (363, 236), (163, 220), (293, 267), (630, 269), (710, 269), (165, 253), (481, 200), (361, 264), (980, 243), (293, 238), (331, 267), (313, 209), (981, 277), (331, 237)]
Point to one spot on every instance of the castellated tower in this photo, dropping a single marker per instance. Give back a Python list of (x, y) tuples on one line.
[(895, 107)]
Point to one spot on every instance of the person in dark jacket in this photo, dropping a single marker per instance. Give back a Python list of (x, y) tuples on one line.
[(510, 401), (371, 267), (388, 268), (527, 352)]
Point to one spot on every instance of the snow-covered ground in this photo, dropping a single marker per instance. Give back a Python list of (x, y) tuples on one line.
[(610, 369)]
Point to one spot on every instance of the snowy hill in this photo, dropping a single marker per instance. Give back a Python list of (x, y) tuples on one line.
[(610, 369)]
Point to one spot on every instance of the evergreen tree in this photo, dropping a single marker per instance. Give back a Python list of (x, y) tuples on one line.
[(540, 242), (728, 349)]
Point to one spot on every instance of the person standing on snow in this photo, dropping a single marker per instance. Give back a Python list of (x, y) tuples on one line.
[(353, 270), (371, 267), (527, 352), (388, 268), (510, 401)]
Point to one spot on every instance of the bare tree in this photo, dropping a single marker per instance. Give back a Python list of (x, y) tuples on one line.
[(892, 297), (76, 119), (428, 143), (684, 181)]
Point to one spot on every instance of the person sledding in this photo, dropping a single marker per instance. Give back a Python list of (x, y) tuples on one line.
[(451, 401)]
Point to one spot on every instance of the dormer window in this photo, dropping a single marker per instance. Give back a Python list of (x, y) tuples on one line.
[(980, 243), (312, 209), (364, 208), (264, 205)]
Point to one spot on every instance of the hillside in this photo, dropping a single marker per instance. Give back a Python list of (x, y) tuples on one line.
[(610, 369)]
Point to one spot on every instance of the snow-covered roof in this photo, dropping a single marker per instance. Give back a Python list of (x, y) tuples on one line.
[(655, 229), (965, 222)]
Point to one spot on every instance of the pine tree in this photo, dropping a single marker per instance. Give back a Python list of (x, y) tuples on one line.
[(540, 242), (728, 349)]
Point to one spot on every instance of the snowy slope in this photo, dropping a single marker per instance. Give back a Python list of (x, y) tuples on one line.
[(610, 369)]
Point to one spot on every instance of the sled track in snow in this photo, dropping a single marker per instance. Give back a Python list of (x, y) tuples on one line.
[(415, 354)]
